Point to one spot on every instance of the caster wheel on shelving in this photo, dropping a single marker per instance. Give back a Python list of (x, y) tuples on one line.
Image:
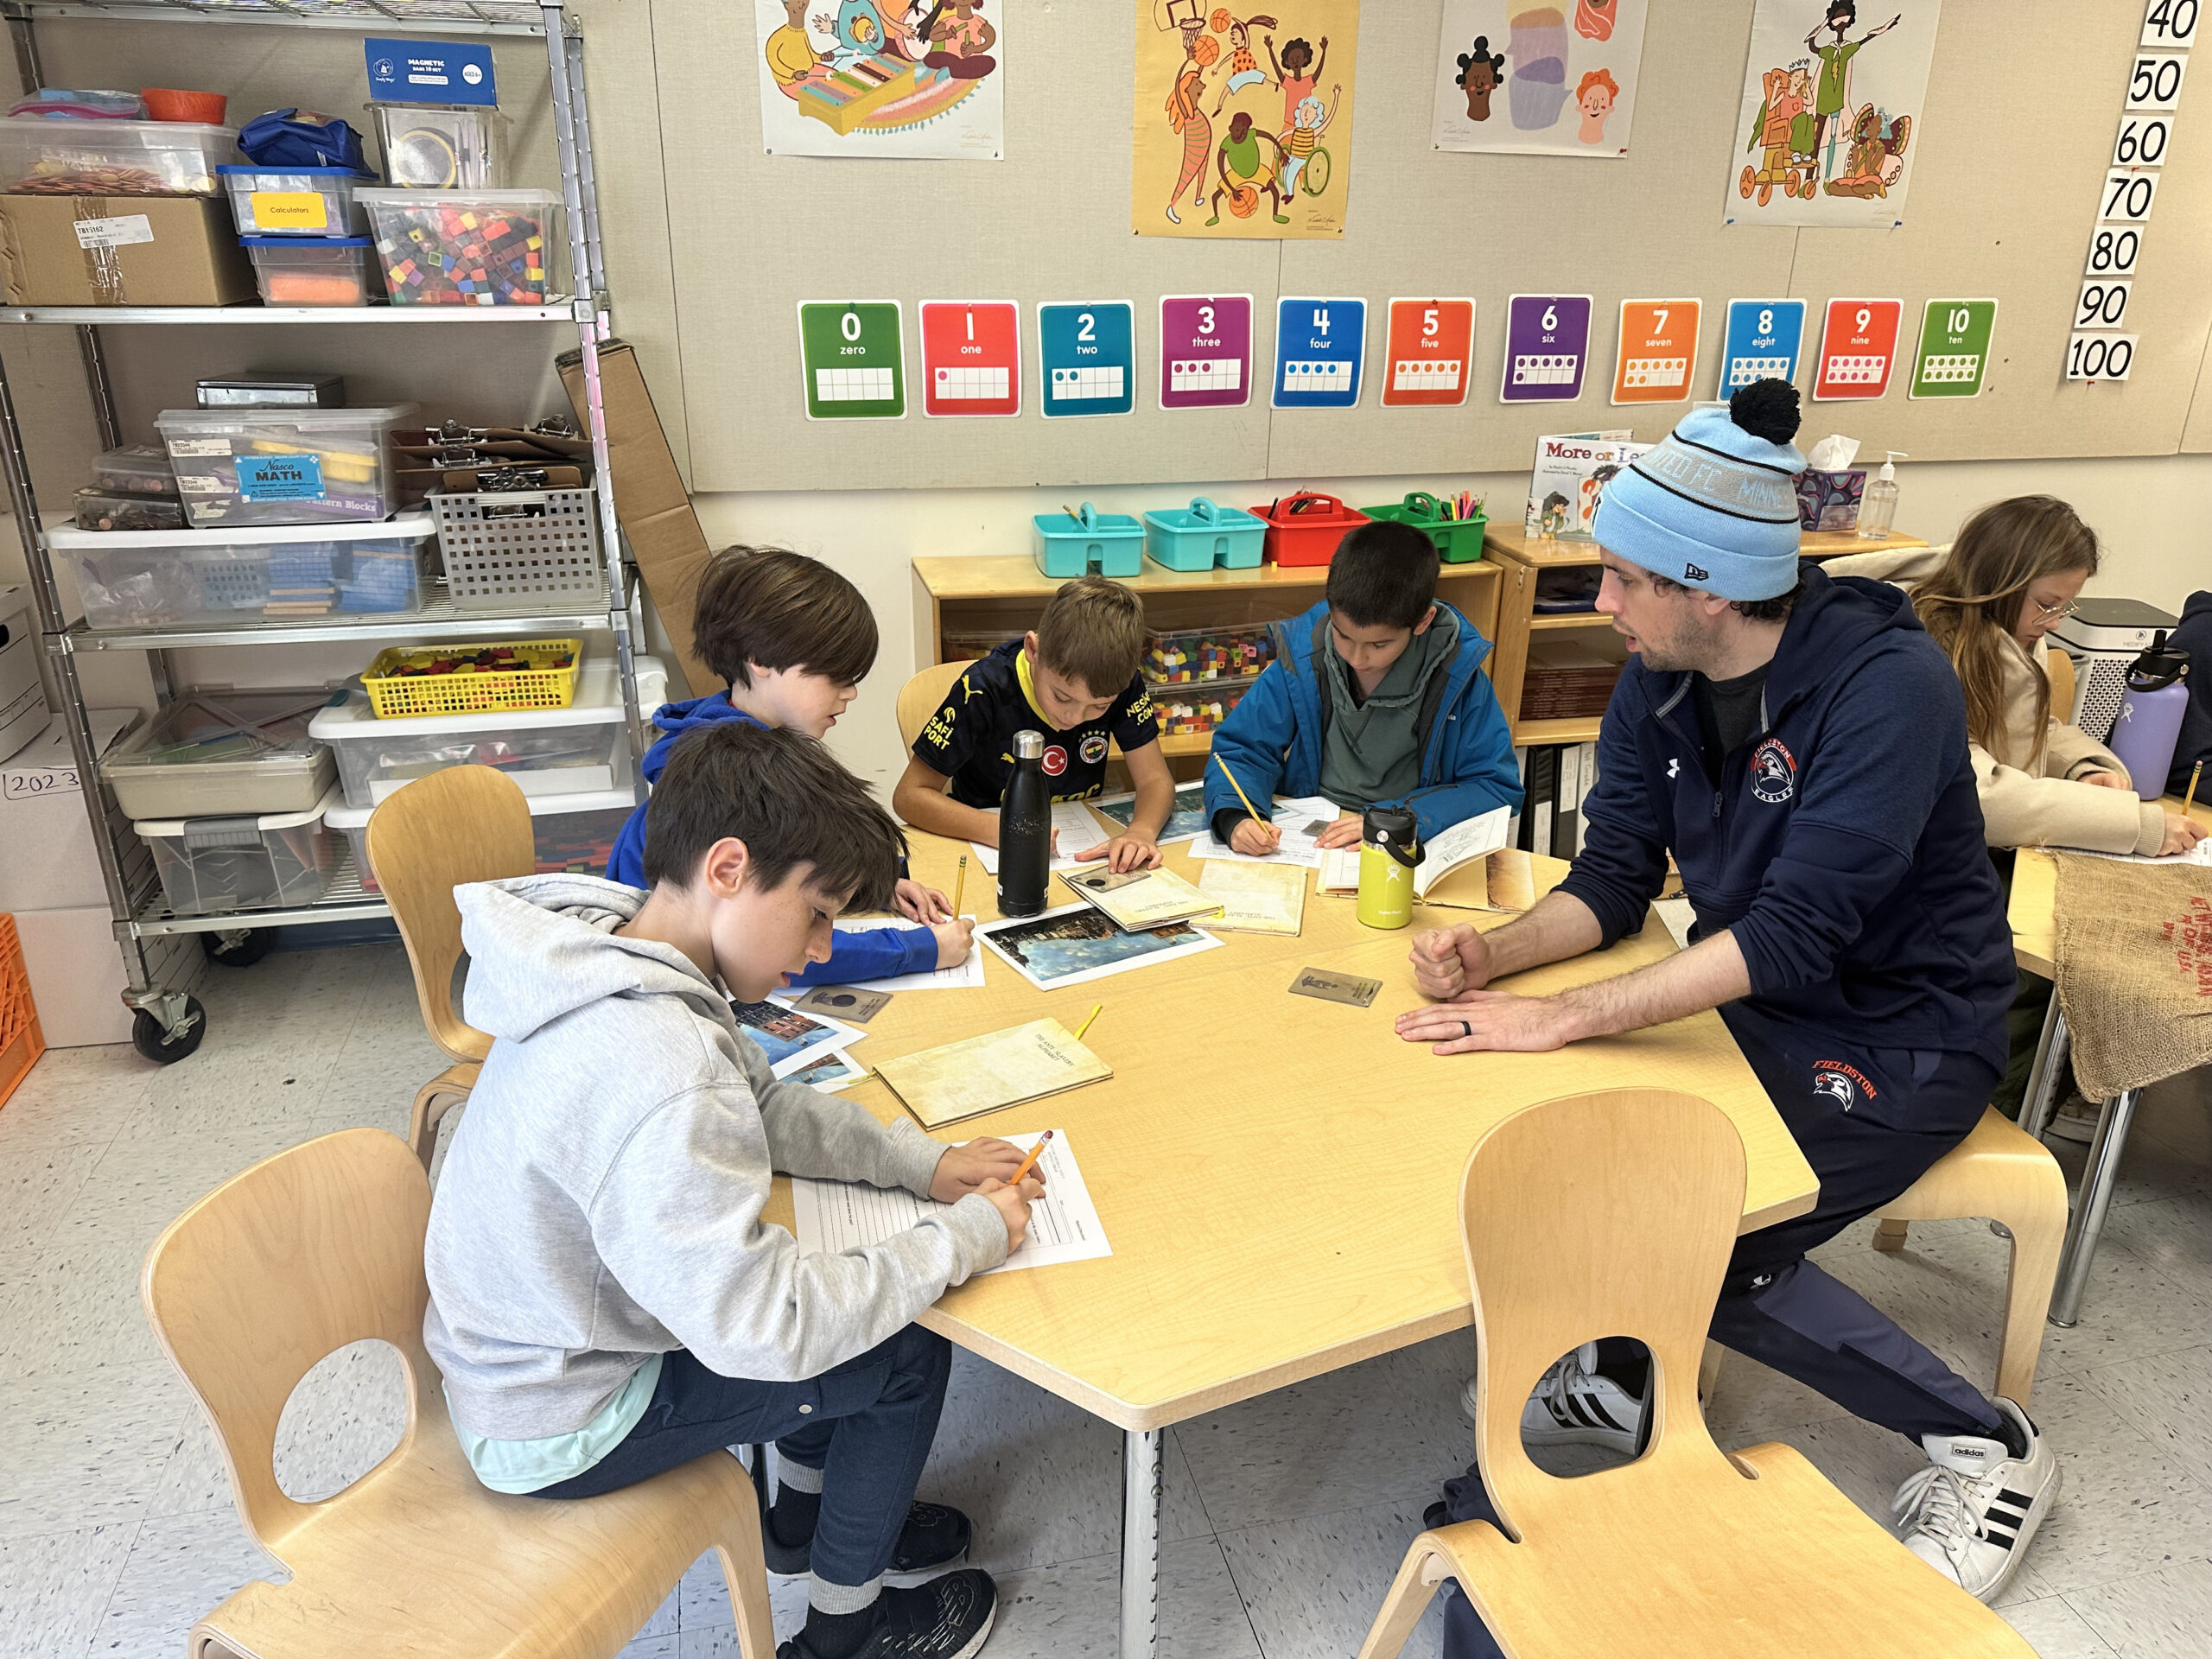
[(239, 947), (150, 1039)]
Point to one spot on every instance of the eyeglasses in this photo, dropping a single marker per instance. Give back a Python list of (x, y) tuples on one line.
[(2054, 612)]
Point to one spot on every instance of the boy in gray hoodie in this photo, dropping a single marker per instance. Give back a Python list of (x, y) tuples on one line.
[(605, 1301)]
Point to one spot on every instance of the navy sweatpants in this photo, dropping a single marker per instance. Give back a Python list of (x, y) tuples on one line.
[(1870, 1121)]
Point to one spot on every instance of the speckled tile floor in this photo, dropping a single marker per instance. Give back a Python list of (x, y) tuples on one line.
[(1286, 1516)]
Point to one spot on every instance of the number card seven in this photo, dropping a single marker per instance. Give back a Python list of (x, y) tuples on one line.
[(1657, 351), (1858, 347)]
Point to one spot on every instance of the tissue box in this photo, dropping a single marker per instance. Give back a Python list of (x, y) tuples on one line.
[(1830, 500)]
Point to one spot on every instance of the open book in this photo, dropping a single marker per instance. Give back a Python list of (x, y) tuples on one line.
[(1443, 876), (1137, 900), (981, 1074)]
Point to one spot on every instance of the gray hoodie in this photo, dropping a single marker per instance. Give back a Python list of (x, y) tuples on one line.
[(600, 1201)]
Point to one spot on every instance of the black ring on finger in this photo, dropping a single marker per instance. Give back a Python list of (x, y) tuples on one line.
[(1466, 1029)]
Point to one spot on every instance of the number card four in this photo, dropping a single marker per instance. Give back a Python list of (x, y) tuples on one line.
[(1858, 347), (1657, 351), (1320, 352), (1953, 361), (1429, 354)]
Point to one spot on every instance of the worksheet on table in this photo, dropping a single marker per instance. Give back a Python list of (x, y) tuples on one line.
[(2200, 853), (1079, 831), (1296, 818), (967, 975), (1064, 1225)]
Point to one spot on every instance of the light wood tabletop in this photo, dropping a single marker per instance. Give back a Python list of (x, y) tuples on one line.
[(1278, 1175), (1510, 541), (2035, 894)]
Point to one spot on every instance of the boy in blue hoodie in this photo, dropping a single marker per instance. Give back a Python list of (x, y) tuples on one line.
[(1798, 743), (1373, 700), (793, 640)]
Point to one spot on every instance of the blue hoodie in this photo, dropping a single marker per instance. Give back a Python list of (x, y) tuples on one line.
[(861, 953), (1271, 740), (1841, 843)]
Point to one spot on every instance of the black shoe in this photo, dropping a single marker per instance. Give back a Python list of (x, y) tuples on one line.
[(948, 1618), (934, 1536)]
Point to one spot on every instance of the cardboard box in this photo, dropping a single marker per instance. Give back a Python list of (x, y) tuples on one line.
[(23, 713), (650, 498), (121, 251), (50, 862), (76, 974)]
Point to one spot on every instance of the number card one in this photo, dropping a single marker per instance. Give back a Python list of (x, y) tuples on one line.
[(1954, 355), (854, 359), (1206, 350), (1658, 350), (1764, 341), (1547, 343), (1859, 346), (1431, 354), (1320, 349), (1086, 358), (971, 357)]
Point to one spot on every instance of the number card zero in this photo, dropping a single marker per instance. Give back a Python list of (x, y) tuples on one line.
[(1858, 347)]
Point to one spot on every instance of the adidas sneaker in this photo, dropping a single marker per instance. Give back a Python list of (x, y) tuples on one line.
[(1574, 1405), (1970, 1514)]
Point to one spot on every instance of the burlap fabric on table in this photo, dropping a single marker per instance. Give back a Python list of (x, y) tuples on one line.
[(2134, 970)]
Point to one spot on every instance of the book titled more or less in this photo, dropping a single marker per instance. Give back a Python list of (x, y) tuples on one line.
[(981, 1074), (1135, 900), (1444, 876)]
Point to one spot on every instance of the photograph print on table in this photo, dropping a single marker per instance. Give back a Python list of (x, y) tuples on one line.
[(882, 77), (1076, 943), (791, 1041), (1516, 78)]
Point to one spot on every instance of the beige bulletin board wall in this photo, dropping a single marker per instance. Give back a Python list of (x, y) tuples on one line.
[(2022, 103)]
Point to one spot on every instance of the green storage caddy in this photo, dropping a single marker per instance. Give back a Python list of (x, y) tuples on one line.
[(1458, 541)]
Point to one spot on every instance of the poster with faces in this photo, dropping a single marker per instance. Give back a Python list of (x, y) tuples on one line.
[(1523, 79)]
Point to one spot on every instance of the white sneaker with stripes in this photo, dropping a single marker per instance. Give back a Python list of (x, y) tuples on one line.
[(1970, 1514), (1573, 1405)]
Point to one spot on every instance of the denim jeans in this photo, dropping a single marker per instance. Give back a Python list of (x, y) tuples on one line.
[(867, 1424)]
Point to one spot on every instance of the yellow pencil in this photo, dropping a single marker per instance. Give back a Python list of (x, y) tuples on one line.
[(1239, 788), (1035, 1153), (959, 886), (1085, 1025), (2189, 800)]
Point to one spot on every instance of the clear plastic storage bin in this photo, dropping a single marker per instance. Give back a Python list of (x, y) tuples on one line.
[(311, 270), (175, 578), (299, 466), (209, 866), (294, 202), (466, 247), (575, 833), (1188, 656), (136, 469), (217, 751), (43, 158), (95, 509), (440, 146), (581, 750)]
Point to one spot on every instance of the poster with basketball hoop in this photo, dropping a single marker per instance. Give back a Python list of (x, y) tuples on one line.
[(882, 77), (1829, 122), (1244, 118)]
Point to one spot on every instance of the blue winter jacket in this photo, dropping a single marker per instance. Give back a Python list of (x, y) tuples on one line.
[(861, 953), (1271, 740), (1841, 843)]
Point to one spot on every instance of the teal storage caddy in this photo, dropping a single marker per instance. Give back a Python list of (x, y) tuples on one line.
[(1201, 535), (1458, 541), (1090, 543)]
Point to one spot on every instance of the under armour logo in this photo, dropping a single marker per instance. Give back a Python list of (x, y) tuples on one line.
[(1674, 766), (1760, 1281), (1692, 573)]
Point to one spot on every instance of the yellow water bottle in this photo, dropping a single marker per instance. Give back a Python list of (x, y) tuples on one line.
[(1388, 853)]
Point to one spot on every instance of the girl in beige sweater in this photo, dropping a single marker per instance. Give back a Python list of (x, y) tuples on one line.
[(1988, 600)]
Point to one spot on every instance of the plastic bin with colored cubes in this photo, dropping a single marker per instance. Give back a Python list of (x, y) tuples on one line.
[(466, 247), (1305, 527), (1191, 656), (1202, 535), (1089, 542), (1458, 541)]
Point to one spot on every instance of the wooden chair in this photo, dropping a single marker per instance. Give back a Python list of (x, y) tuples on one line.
[(466, 823), (1612, 1214), (2058, 669), (322, 1246), (919, 698)]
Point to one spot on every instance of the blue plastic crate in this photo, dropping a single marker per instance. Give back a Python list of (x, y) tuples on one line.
[(1201, 535), (1090, 543)]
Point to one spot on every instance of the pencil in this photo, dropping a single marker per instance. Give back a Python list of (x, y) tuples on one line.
[(959, 886), (2189, 800), (1035, 1152), (1239, 788), (1085, 1025)]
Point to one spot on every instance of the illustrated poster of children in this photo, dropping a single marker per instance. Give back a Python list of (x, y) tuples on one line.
[(1521, 79), (1243, 117), (1829, 118), (914, 78)]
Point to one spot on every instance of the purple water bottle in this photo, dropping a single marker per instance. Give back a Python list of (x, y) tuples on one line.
[(2150, 715)]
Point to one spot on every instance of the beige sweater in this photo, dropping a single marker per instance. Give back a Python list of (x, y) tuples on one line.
[(2032, 803)]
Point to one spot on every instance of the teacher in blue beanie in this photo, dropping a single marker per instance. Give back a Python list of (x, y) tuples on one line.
[(1799, 745)]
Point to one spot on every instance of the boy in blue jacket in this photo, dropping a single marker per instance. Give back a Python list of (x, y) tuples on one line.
[(1798, 743), (1373, 700), (793, 640)]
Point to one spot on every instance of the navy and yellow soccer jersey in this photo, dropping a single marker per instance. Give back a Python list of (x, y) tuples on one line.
[(970, 737)]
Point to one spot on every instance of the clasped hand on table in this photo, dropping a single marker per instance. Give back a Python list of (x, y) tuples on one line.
[(982, 1165), (1452, 965)]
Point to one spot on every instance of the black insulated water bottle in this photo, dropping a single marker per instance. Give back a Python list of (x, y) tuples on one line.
[(1025, 830)]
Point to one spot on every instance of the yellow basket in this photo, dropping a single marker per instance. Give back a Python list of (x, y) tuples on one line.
[(468, 690)]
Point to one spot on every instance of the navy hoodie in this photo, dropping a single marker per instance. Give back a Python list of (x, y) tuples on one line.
[(1841, 843), (2194, 742), (858, 954)]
